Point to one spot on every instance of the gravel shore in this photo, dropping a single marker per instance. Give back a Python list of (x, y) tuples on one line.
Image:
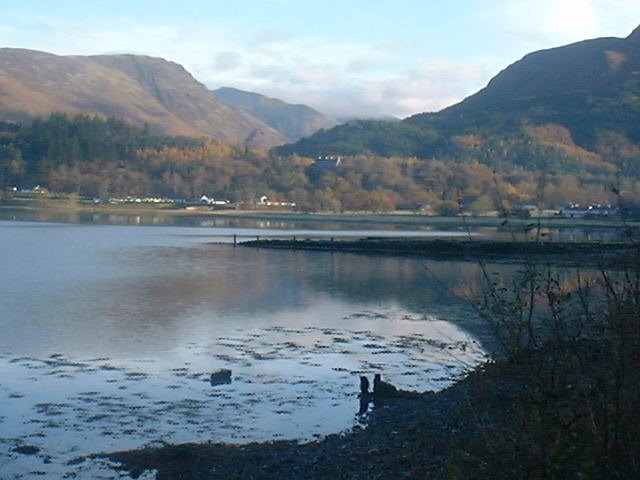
[(411, 436)]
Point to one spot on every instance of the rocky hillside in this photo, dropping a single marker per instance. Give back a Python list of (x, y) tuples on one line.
[(139, 89), (292, 121)]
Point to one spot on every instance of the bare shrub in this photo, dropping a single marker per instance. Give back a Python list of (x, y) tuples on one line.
[(569, 351)]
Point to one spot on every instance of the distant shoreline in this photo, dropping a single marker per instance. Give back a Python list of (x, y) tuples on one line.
[(401, 218)]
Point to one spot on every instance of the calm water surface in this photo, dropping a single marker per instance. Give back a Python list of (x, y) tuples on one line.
[(110, 334)]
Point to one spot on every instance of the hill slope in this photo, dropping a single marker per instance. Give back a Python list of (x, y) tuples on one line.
[(600, 67), (139, 89), (577, 104), (292, 121)]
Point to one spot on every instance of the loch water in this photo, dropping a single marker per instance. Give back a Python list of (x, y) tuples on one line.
[(110, 334)]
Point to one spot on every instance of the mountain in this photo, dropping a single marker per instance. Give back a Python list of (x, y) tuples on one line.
[(139, 89), (292, 121), (556, 108), (598, 78)]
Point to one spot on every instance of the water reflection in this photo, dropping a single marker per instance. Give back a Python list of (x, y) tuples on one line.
[(196, 220), (110, 288), (202, 291), (512, 229)]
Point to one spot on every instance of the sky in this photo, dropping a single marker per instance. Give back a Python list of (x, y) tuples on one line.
[(346, 58)]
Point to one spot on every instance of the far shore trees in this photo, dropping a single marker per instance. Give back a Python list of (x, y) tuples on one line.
[(95, 157)]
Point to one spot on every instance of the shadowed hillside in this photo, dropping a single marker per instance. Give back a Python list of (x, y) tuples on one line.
[(292, 121)]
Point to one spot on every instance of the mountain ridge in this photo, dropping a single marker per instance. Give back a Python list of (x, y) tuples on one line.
[(141, 89)]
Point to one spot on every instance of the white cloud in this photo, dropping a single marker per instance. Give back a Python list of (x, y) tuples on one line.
[(546, 23), (225, 61), (267, 37), (432, 85), (551, 20)]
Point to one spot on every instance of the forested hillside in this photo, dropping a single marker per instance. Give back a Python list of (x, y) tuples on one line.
[(94, 157)]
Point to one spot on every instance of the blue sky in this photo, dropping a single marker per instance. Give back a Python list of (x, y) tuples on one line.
[(343, 57)]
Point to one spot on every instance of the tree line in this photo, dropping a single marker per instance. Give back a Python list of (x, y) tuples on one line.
[(96, 157)]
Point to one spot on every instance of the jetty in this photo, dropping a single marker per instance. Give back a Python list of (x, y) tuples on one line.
[(556, 252)]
